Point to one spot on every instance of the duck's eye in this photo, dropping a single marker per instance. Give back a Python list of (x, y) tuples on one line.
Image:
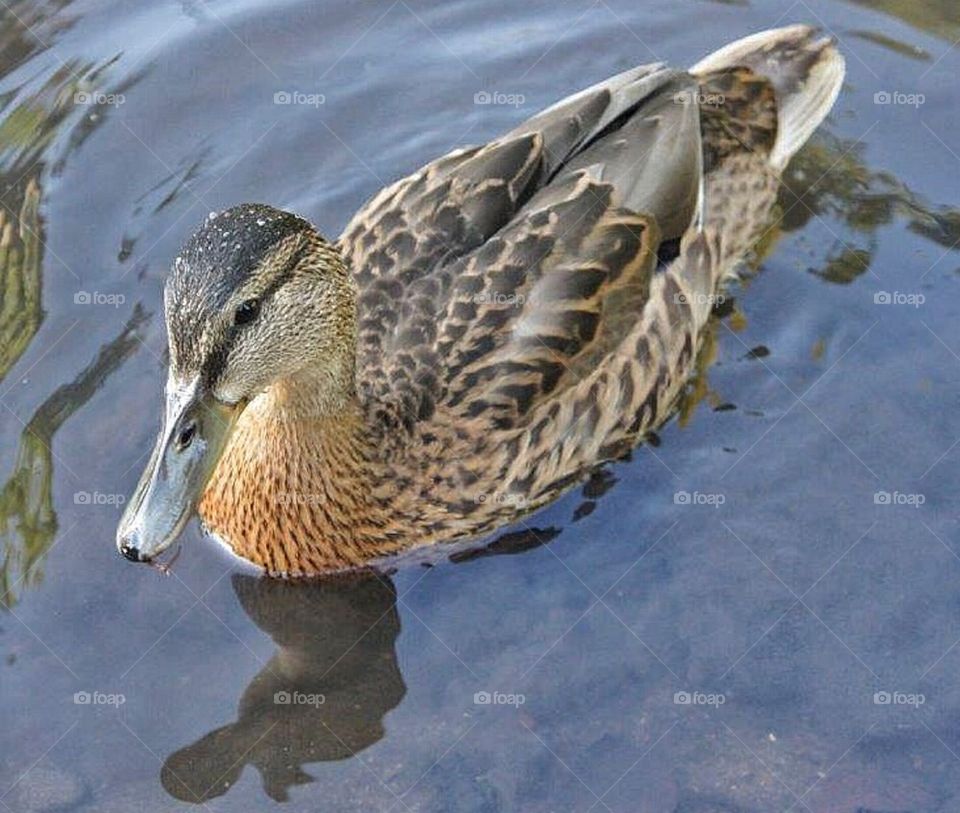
[(247, 312), (185, 438)]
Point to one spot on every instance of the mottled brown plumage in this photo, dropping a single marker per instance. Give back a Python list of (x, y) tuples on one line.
[(490, 328)]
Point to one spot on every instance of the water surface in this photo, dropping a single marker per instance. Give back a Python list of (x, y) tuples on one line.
[(811, 575)]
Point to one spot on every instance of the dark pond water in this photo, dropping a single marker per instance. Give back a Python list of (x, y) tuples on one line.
[(812, 576)]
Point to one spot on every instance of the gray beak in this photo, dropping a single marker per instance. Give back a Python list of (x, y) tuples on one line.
[(195, 431)]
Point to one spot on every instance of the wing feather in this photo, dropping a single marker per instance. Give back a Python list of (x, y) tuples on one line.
[(488, 276)]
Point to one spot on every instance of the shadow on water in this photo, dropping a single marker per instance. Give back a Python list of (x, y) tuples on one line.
[(321, 697)]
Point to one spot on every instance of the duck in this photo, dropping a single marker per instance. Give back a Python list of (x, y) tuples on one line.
[(484, 333)]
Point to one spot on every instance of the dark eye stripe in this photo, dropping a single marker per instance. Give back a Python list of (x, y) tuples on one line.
[(275, 283), (216, 359)]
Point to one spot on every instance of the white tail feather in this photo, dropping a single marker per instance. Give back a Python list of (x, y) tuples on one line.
[(806, 74)]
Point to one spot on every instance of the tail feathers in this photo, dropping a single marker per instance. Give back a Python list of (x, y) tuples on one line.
[(806, 73)]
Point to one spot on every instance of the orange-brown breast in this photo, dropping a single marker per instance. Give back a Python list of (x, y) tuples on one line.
[(299, 495)]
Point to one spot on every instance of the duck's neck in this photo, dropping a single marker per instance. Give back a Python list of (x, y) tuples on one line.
[(324, 393), (295, 490), (325, 384)]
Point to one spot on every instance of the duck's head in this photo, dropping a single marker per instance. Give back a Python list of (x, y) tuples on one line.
[(256, 297)]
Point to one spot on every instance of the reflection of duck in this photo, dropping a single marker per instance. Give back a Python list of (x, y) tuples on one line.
[(336, 669), (504, 328)]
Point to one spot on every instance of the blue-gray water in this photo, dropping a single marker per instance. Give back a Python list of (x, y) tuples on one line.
[(787, 597)]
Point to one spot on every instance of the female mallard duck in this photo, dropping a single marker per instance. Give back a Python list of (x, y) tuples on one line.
[(484, 332)]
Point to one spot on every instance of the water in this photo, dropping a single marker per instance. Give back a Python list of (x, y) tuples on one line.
[(785, 598)]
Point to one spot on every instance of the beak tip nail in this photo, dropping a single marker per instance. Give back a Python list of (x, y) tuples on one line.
[(129, 552)]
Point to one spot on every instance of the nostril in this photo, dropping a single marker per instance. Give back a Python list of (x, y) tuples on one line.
[(129, 552)]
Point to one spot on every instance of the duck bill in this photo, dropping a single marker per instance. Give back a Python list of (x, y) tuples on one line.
[(196, 428)]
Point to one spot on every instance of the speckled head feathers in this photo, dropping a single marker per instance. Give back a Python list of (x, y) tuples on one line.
[(275, 266), (227, 249)]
